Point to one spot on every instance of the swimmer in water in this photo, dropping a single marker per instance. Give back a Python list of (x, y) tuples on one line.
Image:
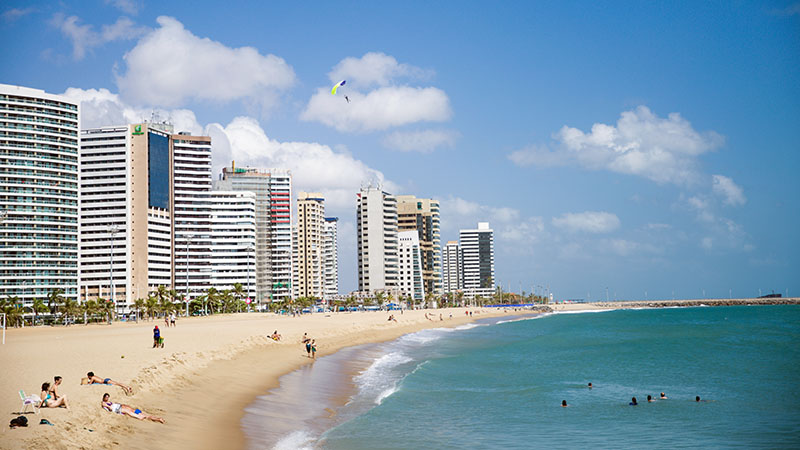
[(590, 385), (663, 396), (697, 399), (633, 402), (563, 403), (650, 399)]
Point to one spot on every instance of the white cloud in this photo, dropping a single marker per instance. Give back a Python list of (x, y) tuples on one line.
[(707, 243), (423, 141), (126, 6), (170, 66), (731, 193), (15, 13), (527, 231), (84, 38), (379, 109), (386, 106), (589, 221), (374, 68), (315, 167), (100, 107), (664, 150)]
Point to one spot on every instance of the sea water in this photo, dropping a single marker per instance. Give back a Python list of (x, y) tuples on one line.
[(500, 383)]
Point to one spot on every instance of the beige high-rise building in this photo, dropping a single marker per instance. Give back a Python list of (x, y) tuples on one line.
[(310, 245), (376, 228), (422, 216)]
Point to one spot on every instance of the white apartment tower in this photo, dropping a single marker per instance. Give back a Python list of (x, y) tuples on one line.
[(376, 227), (309, 243), (330, 258), (38, 194), (273, 255), (477, 247), (410, 280), (233, 240), (453, 268)]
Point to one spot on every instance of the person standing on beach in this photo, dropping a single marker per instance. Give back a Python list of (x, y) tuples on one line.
[(172, 319), (156, 336), (314, 348)]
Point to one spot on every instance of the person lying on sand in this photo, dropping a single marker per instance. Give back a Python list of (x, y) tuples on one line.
[(91, 378), (48, 399), (275, 336), (121, 408)]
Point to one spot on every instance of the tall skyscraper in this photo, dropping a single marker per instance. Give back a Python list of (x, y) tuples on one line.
[(38, 194), (330, 258), (310, 245), (477, 246), (452, 268), (410, 280), (273, 189), (422, 215), (144, 206), (233, 240), (376, 227)]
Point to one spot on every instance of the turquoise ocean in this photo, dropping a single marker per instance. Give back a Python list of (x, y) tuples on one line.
[(499, 383)]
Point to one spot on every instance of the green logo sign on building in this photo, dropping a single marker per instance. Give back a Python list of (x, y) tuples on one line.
[(137, 130)]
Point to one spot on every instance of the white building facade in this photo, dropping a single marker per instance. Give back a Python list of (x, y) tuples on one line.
[(453, 268), (410, 282), (477, 247), (39, 201), (330, 258), (376, 228), (233, 240)]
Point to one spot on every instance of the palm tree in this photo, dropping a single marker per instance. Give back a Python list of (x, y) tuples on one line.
[(460, 297), (38, 307), (14, 312), (107, 309), (55, 298), (70, 307), (151, 305), (139, 304), (379, 298), (210, 299), (89, 308), (428, 299)]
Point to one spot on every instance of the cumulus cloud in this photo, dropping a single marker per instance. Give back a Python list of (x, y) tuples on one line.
[(527, 231), (728, 190), (387, 105), (100, 107), (423, 141), (374, 68), (589, 221), (664, 150), (84, 38), (170, 66), (379, 109), (315, 167)]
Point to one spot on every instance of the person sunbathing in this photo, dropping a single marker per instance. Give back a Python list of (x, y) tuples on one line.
[(48, 401), (91, 378), (120, 408), (275, 336)]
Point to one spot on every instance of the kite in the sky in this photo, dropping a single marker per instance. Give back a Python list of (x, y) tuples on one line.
[(336, 86)]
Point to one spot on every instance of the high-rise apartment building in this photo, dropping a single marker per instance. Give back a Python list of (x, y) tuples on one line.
[(38, 194), (309, 262), (376, 227), (477, 247), (142, 187), (422, 215), (410, 279), (452, 268), (273, 189), (233, 240), (330, 258)]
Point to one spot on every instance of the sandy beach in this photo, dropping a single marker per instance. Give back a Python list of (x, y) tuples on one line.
[(200, 383), (210, 369)]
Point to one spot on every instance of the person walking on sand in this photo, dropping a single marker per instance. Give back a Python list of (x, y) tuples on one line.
[(314, 349), (128, 410), (172, 319)]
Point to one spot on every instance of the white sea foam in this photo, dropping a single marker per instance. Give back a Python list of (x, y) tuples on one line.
[(586, 311), (520, 319), (385, 393), (298, 440)]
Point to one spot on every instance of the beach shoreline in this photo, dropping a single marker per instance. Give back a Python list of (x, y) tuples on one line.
[(211, 369)]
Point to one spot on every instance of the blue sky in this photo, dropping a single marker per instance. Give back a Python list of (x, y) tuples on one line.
[(637, 146)]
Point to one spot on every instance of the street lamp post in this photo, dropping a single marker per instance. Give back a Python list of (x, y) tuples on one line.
[(249, 249), (188, 239), (112, 229)]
